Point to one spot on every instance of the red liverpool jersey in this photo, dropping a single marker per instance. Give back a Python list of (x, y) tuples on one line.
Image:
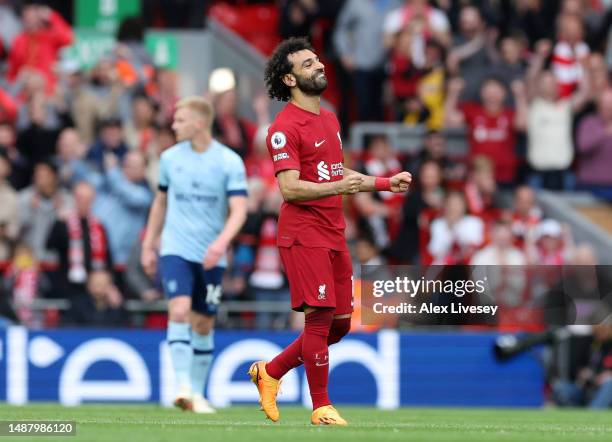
[(310, 143)]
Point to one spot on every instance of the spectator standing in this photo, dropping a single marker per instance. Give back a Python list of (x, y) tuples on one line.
[(509, 60), (39, 207), (81, 243), (432, 85), (550, 149), (70, 157), (568, 53), (472, 52), (139, 129), (110, 142), (404, 74), (45, 32), (122, 203), (90, 100), (594, 141), (491, 125), (431, 21), (37, 141), (358, 40)]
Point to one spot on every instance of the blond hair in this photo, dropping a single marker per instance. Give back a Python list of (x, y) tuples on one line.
[(199, 105)]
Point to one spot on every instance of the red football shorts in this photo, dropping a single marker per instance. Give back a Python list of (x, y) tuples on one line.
[(319, 277)]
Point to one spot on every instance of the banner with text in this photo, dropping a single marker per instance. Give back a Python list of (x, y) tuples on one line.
[(388, 369)]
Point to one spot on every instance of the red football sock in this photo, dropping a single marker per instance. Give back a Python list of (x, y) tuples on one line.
[(289, 358), (315, 354)]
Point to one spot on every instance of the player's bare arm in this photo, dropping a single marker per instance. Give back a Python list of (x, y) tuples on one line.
[(235, 220), (294, 189), (397, 183), (148, 257)]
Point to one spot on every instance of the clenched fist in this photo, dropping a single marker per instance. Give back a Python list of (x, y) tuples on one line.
[(400, 182)]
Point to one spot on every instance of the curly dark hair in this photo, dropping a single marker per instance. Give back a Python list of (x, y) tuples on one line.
[(279, 65)]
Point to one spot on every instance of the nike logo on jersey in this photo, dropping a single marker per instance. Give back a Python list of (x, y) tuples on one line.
[(318, 143)]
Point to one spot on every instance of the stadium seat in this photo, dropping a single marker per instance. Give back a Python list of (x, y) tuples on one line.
[(257, 24)]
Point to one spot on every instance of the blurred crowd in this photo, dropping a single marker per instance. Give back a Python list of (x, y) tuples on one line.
[(79, 148)]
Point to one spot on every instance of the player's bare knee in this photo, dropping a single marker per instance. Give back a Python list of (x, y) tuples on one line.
[(178, 316), (202, 324), (178, 310)]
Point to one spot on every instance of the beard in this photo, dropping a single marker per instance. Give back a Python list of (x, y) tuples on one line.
[(314, 85)]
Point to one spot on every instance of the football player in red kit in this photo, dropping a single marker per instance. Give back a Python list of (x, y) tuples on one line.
[(306, 149)]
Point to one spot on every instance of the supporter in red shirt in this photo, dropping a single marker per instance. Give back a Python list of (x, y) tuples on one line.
[(8, 108), (45, 32), (404, 75), (491, 126)]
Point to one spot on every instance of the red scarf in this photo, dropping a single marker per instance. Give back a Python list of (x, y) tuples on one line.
[(25, 290), (77, 272)]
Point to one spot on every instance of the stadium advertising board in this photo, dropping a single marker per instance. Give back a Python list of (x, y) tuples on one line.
[(388, 369)]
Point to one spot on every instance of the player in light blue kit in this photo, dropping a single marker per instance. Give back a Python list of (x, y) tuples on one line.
[(200, 182)]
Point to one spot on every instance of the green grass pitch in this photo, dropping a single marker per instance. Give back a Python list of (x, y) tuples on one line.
[(135, 423)]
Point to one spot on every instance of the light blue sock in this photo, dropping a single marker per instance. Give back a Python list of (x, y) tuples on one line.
[(203, 346), (179, 338)]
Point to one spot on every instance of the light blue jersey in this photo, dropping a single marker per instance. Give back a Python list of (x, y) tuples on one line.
[(198, 187)]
